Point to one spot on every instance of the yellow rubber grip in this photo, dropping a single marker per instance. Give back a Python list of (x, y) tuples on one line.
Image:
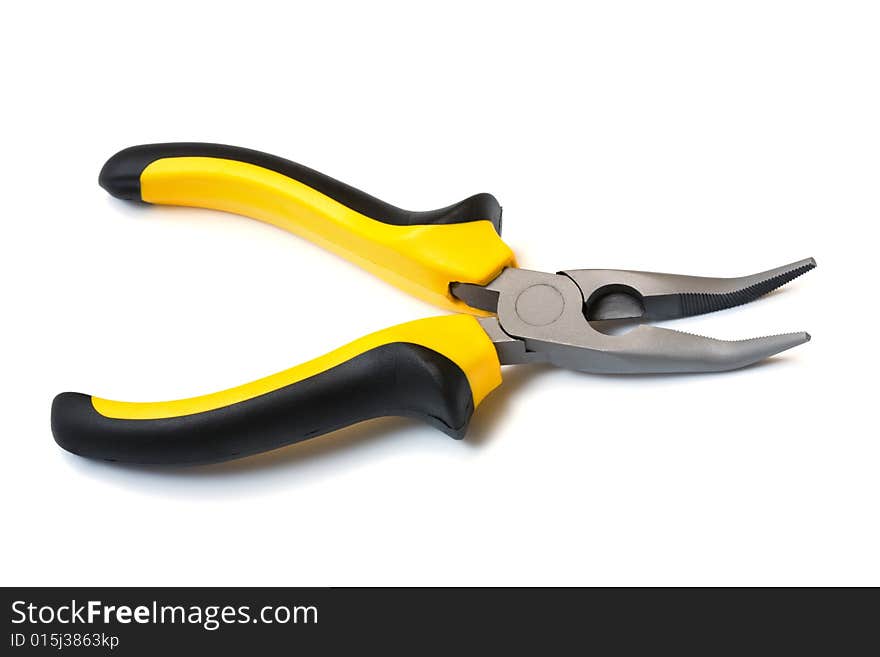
[(457, 337), (421, 259)]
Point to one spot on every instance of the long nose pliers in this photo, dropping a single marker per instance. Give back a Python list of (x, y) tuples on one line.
[(437, 369)]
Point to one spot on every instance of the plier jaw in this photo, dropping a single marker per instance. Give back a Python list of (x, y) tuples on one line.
[(559, 318)]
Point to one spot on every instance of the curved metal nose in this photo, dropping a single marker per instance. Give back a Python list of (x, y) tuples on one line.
[(546, 317), (625, 294)]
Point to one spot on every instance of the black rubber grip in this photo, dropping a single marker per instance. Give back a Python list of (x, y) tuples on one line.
[(397, 379), (121, 176)]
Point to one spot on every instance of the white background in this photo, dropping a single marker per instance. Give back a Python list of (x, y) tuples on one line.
[(693, 137)]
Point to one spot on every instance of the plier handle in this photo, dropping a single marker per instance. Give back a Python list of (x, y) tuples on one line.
[(437, 369)]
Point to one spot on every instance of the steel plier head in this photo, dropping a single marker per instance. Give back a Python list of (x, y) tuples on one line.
[(437, 369), (558, 318)]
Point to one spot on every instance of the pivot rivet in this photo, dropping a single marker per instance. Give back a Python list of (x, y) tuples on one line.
[(540, 305)]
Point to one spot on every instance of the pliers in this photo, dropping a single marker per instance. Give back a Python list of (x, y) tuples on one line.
[(437, 369)]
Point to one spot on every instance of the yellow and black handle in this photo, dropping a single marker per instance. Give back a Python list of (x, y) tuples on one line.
[(420, 252), (437, 369)]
